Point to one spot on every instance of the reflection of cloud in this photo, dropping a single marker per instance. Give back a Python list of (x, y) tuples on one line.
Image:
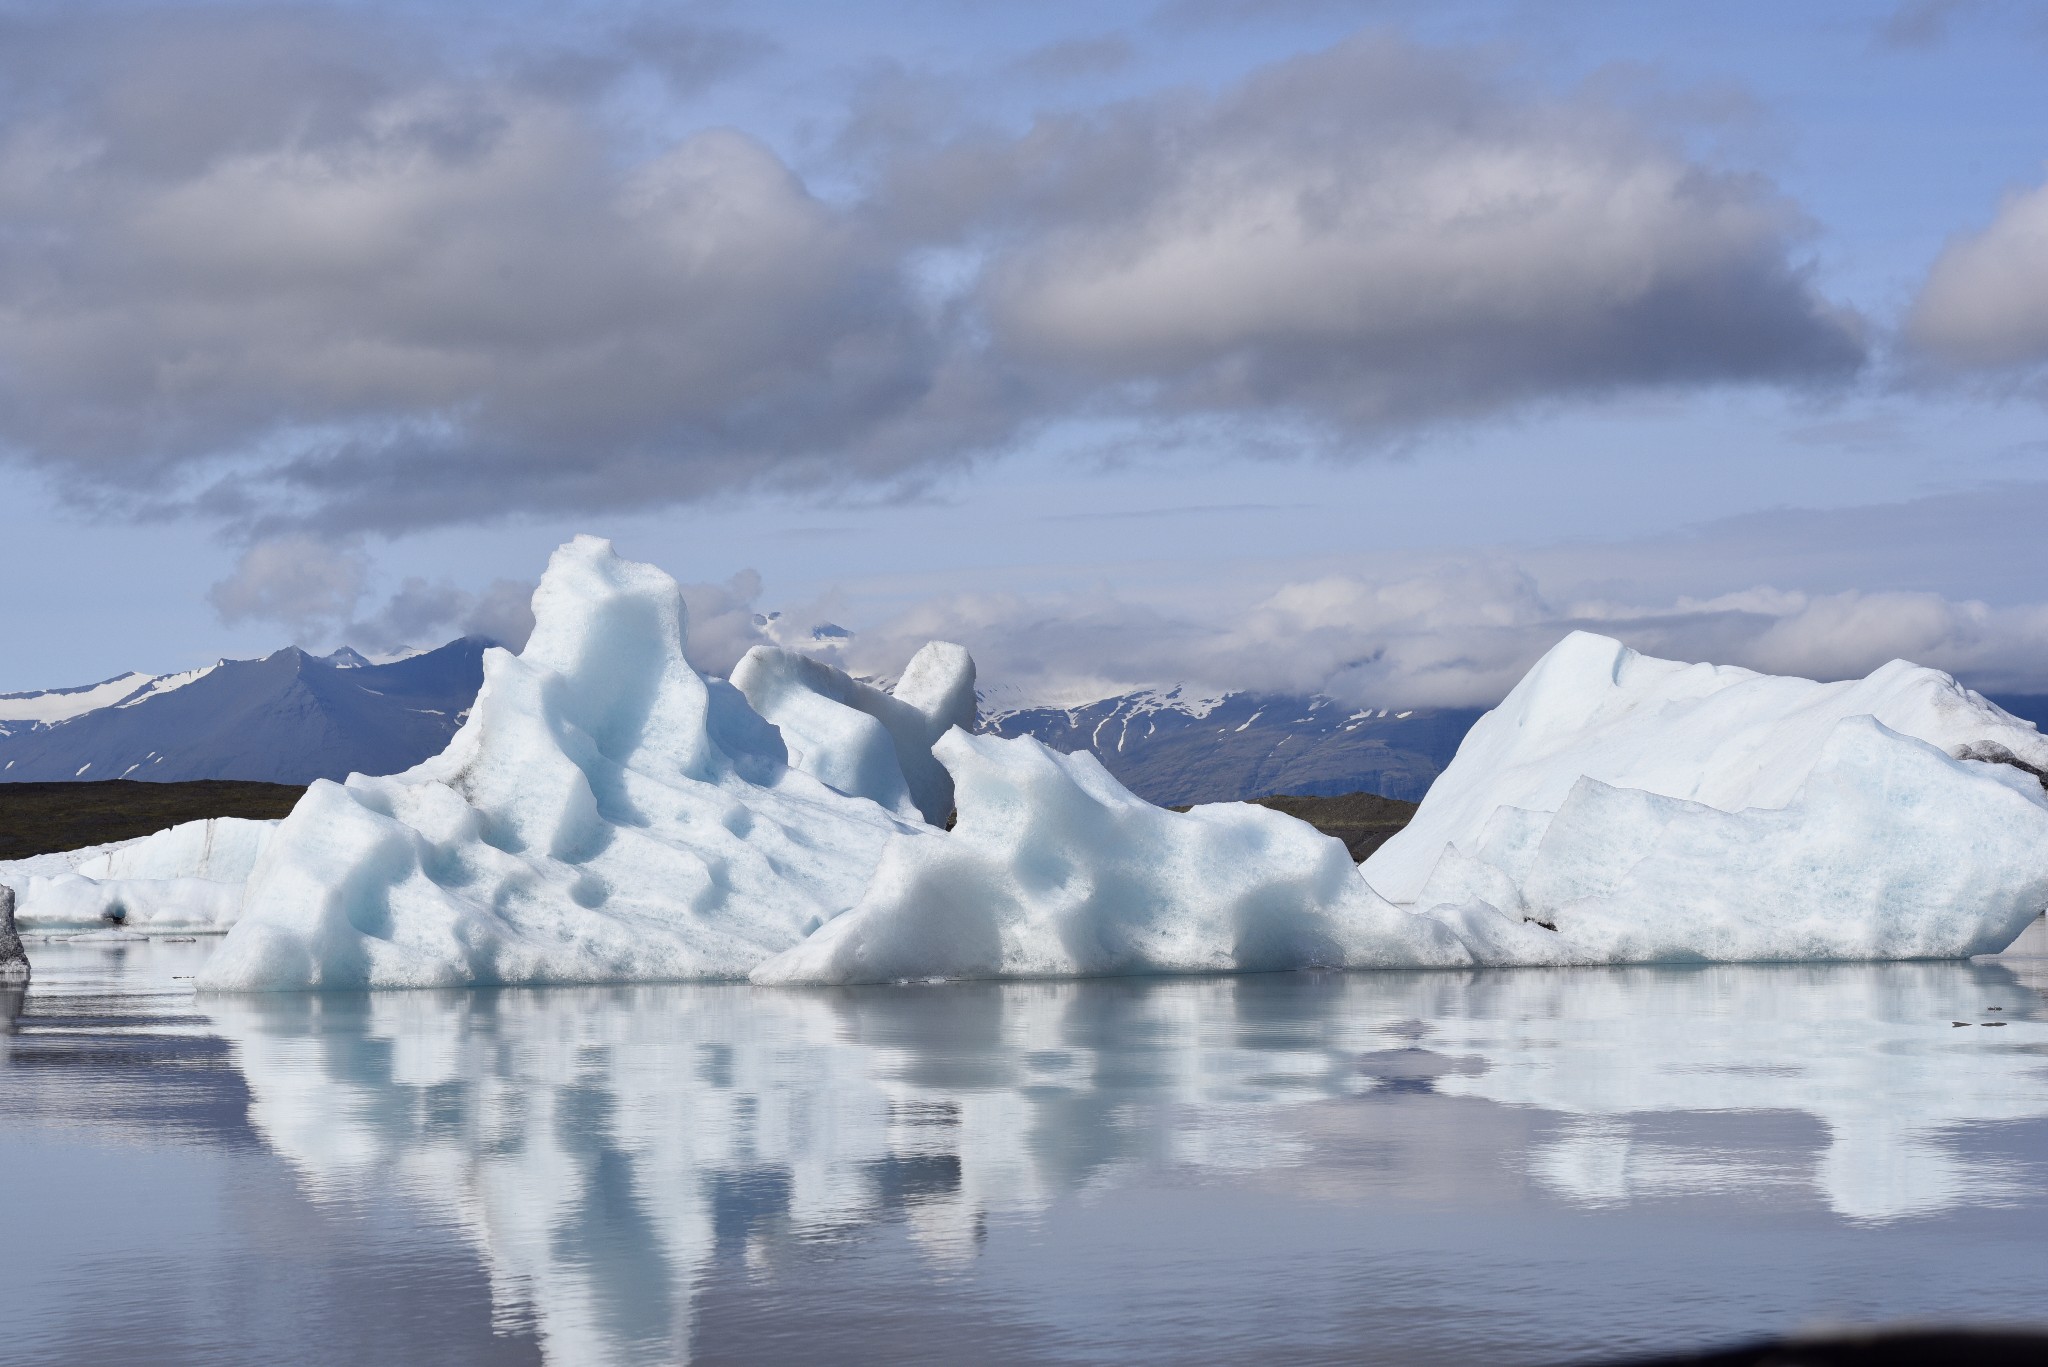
[(604, 1148)]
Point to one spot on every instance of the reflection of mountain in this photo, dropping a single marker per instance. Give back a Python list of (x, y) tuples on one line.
[(606, 1149)]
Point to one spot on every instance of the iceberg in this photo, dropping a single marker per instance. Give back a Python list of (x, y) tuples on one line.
[(607, 813), (1617, 808), (186, 877)]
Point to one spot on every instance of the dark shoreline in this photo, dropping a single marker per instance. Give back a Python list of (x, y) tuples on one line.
[(43, 818)]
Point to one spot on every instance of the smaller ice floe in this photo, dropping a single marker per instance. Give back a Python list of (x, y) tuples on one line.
[(223, 849), (187, 877), (859, 739), (186, 904), (1617, 808), (15, 873), (1056, 870)]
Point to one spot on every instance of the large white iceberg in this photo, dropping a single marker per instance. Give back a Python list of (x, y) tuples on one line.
[(605, 814), (609, 814), (1618, 808)]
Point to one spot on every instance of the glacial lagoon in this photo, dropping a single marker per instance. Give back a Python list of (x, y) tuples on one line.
[(1500, 1166)]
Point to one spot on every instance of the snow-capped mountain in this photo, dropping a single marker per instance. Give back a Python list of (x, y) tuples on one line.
[(1176, 746), (289, 717)]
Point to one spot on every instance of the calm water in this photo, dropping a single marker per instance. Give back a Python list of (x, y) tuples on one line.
[(1483, 1167)]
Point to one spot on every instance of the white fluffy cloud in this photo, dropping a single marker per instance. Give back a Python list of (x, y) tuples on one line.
[(1458, 635), (1985, 303)]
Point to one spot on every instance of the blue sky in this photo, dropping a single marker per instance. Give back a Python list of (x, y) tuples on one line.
[(1364, 347)]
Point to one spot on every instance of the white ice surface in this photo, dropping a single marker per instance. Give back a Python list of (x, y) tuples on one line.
[(1712, 734), (1652, 811), (185, 904), (1056, 870), (188, 876), (1844, 840), (604, 814), (16, 872), (223, 849), (859, 739)]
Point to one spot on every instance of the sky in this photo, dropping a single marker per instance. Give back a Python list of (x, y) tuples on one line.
[(1356, 347)]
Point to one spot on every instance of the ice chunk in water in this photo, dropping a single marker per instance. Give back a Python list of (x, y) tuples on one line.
[(1712, 734), (1626, 809), (187, 876)]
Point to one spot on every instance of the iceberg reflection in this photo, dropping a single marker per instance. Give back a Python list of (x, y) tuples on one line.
[(603, 1148)]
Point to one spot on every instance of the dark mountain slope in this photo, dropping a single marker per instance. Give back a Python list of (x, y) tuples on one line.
[(1172, 749), (287, 718)]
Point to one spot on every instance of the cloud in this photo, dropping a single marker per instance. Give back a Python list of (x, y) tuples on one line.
[(1821, 593), (316, 588), (1985, 302), (367, 295), (1373, 236), (1919, 25), (298, 580), (685, 55), (1078, 58), (1460, 635), (425, 613), (308, 269)]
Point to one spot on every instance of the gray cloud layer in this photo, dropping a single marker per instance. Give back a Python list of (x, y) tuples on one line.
[(1376, 235), (285, 269)]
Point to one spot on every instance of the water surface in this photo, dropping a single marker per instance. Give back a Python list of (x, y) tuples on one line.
[(1527, 1165)]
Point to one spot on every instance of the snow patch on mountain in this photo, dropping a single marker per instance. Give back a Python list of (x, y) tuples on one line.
[(61, 704)]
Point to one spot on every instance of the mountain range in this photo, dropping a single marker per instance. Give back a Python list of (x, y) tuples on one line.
[(289, 717), (292, 717), (1176, 747)]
